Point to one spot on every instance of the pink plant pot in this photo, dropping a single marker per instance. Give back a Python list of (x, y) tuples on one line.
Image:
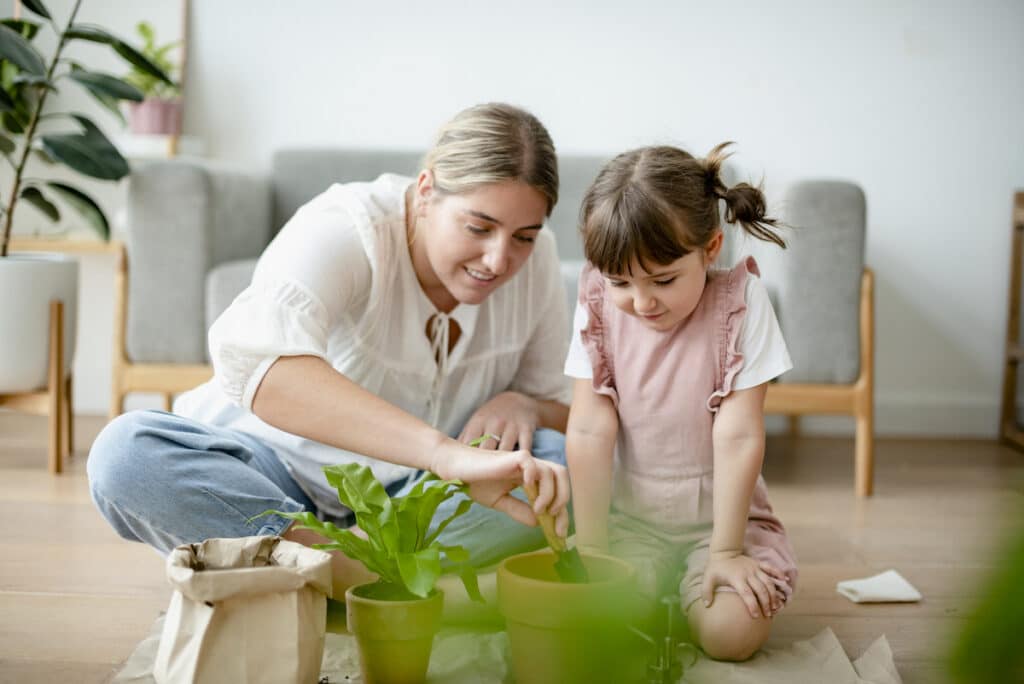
[(154, 116)]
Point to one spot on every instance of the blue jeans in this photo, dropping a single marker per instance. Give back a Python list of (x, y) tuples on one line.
[(166, 480)]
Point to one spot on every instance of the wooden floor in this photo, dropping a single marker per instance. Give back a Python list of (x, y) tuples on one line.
[(74, 598)]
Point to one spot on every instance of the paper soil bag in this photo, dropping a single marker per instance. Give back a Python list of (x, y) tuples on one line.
[(251, 610)]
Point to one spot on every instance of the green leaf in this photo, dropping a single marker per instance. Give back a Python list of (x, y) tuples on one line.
[(89, 152), (85, 206), (35, 80), (140, 61), (35, 197), (357, 487), (15, 48), (37, 7), (111, 104), (105, 84), (420, 570), (6, 102), (6, 145), (11, 123), (28, 29), (467, 573), (464, 506), (145, 29), (90, 32)]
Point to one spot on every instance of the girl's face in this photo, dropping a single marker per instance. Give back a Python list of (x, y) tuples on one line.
[(666, 295), (465, 246)]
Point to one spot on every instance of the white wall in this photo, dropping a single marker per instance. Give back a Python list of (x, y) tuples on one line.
[(919, 102)]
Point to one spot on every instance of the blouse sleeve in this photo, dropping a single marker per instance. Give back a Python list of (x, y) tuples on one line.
[(539, 375), (311, 274)]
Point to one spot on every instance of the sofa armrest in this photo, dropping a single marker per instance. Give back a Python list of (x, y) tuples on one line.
[(184, 218)]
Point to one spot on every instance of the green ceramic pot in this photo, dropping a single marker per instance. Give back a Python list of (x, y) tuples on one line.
[(394, 636), (567, 633)]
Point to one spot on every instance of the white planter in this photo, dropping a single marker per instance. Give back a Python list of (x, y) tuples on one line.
[(28, 281)]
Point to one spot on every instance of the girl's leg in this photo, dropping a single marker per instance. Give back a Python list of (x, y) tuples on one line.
[(725, 631), (166, 480)]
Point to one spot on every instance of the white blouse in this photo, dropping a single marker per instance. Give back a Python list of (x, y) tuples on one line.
[(338, 283)]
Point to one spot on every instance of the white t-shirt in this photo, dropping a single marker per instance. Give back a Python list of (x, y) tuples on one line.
[(765, 355), (338, 283)]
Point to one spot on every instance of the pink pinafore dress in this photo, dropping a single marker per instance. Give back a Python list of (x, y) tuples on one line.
[(666, 387)]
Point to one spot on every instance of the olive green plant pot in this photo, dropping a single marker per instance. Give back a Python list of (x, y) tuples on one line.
[(568, 633), (394, 636)]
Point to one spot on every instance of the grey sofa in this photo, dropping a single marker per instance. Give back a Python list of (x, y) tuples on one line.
[(196, 229)]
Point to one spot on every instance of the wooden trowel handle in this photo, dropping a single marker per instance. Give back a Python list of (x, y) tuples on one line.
[(547, 523)]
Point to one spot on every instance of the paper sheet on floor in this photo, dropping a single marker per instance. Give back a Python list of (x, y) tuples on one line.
[(461, 657)]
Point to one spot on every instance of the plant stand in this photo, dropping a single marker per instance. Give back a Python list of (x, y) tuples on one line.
[(1010, 431), (55, 400)]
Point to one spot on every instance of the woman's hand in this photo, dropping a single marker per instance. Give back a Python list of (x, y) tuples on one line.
[(511, 416), (751, 580), (492, 475)]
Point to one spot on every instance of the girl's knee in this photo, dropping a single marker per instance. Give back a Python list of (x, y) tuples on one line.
[(725, 631)]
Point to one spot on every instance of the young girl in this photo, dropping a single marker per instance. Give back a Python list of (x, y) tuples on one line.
[(671, 359)]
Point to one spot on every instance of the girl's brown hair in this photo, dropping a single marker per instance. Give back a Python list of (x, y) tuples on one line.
[(658, 204)]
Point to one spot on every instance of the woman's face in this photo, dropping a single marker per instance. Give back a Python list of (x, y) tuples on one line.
[(465, 246)]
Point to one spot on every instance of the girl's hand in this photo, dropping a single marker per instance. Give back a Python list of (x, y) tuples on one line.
[(511, 416), (492, 475), (751, 580)]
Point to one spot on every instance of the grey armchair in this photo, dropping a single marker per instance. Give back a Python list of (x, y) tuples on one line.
[(197, 228)]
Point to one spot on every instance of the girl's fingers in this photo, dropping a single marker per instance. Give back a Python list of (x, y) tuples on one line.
[(763, 593), (773, 595), (749, 598), (772, 570)]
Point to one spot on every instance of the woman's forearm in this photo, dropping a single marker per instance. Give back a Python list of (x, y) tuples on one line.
[(305, 396)]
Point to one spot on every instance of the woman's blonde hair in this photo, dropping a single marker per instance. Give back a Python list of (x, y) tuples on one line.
[(658, 204), (491, 143)]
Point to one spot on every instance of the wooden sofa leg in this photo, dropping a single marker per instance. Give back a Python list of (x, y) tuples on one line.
[(67, 421), (168, 401), (864, 453), (794, 425)]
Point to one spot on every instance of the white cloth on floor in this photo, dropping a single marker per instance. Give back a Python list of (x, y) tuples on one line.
[(887, 587)]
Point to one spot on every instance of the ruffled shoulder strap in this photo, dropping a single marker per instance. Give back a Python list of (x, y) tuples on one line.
[(731, 307), (594, 335)]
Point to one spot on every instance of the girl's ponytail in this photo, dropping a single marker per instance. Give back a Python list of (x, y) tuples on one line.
[(744, 203)]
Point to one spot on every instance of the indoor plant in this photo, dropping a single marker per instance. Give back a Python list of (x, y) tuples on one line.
[(394, 619), (159, 113), (29, 282)]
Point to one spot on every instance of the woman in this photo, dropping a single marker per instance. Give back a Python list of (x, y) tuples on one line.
[(384, 319)]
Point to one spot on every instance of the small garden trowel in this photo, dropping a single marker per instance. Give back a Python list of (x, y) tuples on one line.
[(568, 563)]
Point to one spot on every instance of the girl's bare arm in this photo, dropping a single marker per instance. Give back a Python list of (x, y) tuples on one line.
[(589, 450), (738, 439)]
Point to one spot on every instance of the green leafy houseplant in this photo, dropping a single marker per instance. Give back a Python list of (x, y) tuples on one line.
[(26, 81), (399, 546), (160, 55)]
